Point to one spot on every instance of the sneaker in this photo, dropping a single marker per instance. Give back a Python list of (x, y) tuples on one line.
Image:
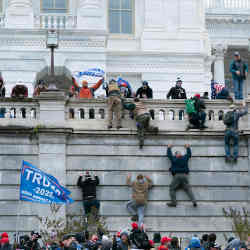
[(194, 204), (171, 204), (235, 159)]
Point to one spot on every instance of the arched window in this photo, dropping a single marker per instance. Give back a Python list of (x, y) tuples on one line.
[(181, 115), (91, 114), (211, 115), (23, 113), (162, 115), (33, 113), (81, 113), (171, 114), (54, 6), (221, 115), (102, 113), (71, 114), (121, 16)]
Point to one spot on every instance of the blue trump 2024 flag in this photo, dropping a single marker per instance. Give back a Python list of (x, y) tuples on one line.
[(37, 186), (95, 72)]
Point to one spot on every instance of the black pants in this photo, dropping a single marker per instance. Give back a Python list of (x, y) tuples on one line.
[(89, 204)]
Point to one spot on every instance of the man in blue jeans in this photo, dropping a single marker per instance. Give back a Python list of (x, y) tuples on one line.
[(231, 120), (140, 188), (239, 70)]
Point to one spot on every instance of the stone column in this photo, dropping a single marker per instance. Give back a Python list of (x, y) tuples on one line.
[(19, 14), (52, 141), (92, 15), (219, 51)]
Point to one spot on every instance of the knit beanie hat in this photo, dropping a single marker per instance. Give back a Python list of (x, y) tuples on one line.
[(165, 240), (134, 225), (4, 235)]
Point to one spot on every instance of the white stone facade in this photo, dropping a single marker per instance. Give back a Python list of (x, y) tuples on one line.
[(171, 39)]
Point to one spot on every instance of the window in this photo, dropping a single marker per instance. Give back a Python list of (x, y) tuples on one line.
[(121, 16), (54, 6)]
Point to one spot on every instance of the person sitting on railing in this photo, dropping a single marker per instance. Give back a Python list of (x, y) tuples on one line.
[(196, 115), (142, 117), (19, 91), (177, 92), (114, 103), (145, 91), (2, 88), (223, 95), (40, 87), (89, 93), (179, 169), (231, 120)]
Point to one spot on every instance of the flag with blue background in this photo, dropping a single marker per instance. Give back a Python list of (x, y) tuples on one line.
[(38, 186)]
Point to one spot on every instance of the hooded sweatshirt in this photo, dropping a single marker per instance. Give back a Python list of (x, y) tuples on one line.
[(140, 190)]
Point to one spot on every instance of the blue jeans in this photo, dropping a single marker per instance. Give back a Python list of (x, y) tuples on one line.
[(135, 209), (234, 136), (238, 88)]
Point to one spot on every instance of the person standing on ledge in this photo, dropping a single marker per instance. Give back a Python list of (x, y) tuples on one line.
[(231, 121), (239, 70), (88, 187), (89, 93), (177, 92), (179, 169), (114, 103), (140, 188), (145, 91)]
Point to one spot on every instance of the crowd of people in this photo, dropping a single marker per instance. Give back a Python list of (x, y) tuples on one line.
[(132, 238)]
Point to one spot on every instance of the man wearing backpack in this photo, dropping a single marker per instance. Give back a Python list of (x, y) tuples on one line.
[(239, 70), (196, 114), (231, 120), (140, 188)]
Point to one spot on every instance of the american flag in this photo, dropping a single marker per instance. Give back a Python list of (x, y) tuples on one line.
[(216, 88)]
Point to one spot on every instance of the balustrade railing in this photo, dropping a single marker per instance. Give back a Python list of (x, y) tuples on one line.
[(55, 21), (228, 4), (92, 114), (27, 110), (160, 110)]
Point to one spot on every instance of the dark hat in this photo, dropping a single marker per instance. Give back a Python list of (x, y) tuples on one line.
[(178, 80), (67, 236), (236, 53), (145, 83), (111, 81)]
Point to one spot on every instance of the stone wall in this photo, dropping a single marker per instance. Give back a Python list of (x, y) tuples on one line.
[(78, 145)]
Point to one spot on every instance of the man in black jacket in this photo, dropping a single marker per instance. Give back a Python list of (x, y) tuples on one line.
[(177, 92), (145, 91), (88, 187), (179, 169)]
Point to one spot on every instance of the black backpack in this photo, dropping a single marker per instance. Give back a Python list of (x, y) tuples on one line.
[(229, 118), (140, 239)]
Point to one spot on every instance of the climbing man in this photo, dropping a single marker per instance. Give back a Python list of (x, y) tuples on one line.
[(88, 187), (231, 121), (142, 117), (114, 103), (179, 169), (140, 188)]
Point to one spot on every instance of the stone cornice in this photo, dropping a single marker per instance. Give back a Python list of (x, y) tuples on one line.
[(228, 19)]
